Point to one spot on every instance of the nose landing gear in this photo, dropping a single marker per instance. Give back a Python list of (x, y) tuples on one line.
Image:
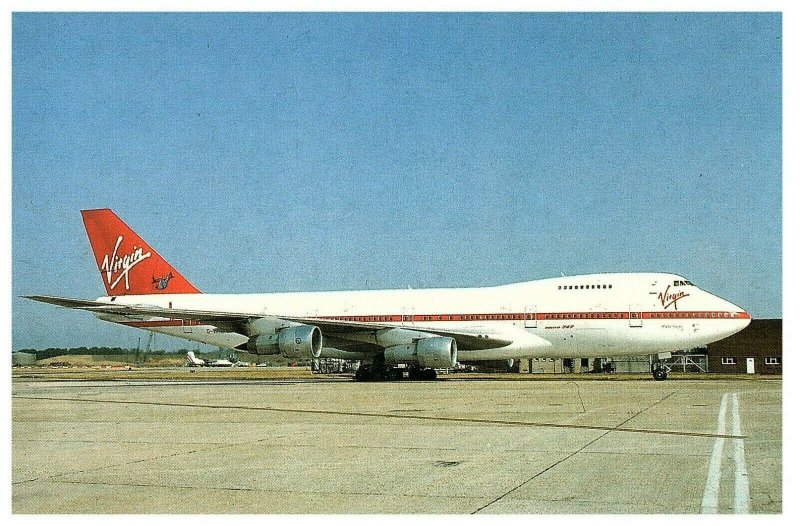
[(659, 370)]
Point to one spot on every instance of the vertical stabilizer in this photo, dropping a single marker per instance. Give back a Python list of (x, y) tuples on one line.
[(194, 360), (126, 263)]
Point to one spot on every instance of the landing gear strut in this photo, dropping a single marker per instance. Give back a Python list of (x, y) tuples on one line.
[(659, 370)]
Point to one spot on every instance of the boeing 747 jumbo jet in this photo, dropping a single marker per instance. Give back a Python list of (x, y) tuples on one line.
[(389, 331)]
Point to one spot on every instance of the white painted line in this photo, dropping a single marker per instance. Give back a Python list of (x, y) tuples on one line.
[(710, 502), (741, 494)]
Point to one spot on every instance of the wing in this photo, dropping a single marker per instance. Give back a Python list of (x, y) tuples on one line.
[(226, 321), (332, 329)]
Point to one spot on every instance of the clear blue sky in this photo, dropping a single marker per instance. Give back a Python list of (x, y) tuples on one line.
[(283, 152)]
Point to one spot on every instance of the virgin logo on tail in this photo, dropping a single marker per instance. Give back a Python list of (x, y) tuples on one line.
[(115, 264)]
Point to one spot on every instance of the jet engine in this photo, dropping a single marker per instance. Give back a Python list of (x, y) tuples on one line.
[(300, 341), (438, 353)]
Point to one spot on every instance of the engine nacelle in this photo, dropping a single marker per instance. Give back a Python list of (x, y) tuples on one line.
[(438, 352), (301, 341)]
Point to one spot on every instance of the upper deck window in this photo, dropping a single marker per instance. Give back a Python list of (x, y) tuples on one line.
[(583, 287)]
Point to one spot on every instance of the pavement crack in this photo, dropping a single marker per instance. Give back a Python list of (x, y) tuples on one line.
[(560, 461), (141, 460), (428, 418), (121, 464)]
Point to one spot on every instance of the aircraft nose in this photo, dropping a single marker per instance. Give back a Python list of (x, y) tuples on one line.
[(740, 317), (740, 312), (743, 318)]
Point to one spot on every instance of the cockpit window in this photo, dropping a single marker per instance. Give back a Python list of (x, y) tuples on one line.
[(679, 283)]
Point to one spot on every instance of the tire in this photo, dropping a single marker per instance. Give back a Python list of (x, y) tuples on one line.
[(429, 374), (363, 374), (660, 375)]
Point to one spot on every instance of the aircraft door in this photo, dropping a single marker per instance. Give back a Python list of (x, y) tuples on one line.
[(635, 316), (530, 316)]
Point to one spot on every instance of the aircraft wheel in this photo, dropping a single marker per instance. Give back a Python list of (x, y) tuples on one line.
[(363, 373), (660, 374)]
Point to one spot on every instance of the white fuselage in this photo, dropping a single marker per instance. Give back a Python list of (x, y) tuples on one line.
[(597, 315)]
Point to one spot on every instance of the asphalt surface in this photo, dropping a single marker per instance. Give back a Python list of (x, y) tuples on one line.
[(327, 445)]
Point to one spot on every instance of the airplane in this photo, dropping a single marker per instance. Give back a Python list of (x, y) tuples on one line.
[(413, 330), (194, 361), (221, 362)]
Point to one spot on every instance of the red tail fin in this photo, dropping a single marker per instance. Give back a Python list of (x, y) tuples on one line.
[(126, 263)]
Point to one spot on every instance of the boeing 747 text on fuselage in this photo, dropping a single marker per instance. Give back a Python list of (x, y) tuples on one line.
[(596, 315)]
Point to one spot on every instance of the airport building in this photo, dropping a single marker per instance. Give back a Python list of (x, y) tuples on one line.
[(543, 365), (694, 361), (757, 349)]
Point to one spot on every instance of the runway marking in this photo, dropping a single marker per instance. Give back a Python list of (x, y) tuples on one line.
[(741, 495), (520, 423), (711, 494)]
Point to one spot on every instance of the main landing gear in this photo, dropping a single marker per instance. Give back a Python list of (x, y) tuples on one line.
[(659, 370), (377, 373), (370, 372)]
